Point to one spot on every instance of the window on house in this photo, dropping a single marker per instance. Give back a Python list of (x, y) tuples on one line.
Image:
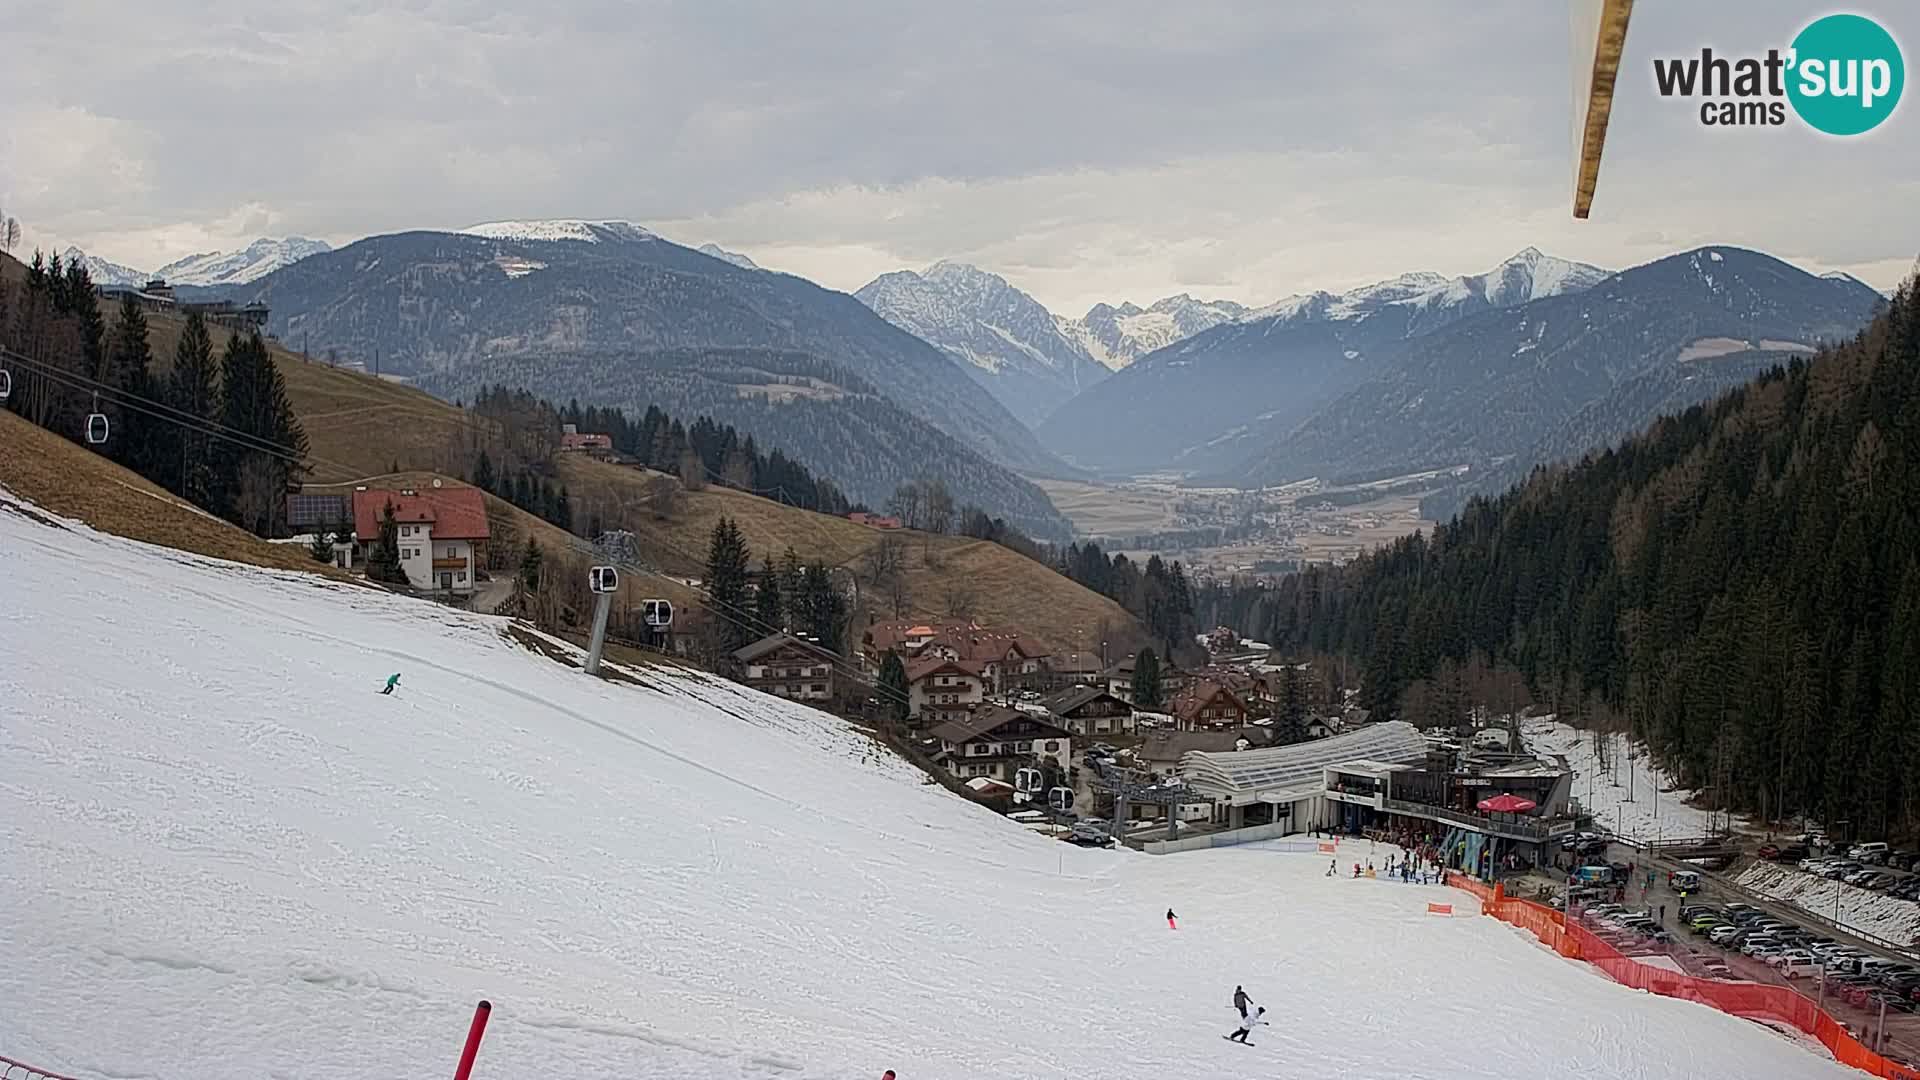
[(977, 749), (819, 688), (460, 575), (1023, 748), (1053, 746)]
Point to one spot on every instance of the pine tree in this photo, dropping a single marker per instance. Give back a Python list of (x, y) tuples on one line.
[(1146, 680), (892, 686), (726, 584), (768, 608), (129, 374), (383, 558), (825, 607), (483, 473), (790, 586), (254, 403), (321, 547), (1291, 722), (192, 389), (530, 565)]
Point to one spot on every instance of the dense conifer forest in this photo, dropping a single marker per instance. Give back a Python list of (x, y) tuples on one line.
[(1739, 586)]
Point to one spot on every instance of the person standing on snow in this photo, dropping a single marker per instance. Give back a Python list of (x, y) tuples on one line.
[(1240, 1000), (1170, 917), (1246, 1026), (393, 680)]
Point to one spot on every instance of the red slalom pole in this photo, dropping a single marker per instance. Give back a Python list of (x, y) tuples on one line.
[(479, 1028)]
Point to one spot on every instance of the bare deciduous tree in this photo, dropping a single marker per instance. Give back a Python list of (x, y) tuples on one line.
[(886, 571), (906, 504), (663, 497), (960, 600), (939, 505), (693, 471)]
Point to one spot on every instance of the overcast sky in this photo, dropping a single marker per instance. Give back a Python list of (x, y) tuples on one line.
[(1088, 151)]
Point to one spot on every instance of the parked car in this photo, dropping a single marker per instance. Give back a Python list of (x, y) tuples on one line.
[(1872, 850), (1794, 965), (1090, 834), (1718, 968)]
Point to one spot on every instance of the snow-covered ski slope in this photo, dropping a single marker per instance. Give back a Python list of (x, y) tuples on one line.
[(225, 855)]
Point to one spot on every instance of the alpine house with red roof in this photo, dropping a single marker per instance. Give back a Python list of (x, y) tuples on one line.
[(438, 532)]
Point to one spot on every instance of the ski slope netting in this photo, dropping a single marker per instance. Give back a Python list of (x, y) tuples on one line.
[(226, 856)]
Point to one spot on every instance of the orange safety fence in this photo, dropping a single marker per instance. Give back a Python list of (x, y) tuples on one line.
[(1754, 1001)]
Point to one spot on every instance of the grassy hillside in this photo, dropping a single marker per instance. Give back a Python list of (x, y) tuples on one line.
[(1004, 588), (359, 427), (68, 479)]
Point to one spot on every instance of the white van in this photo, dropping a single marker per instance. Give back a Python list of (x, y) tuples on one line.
[(1874, 852), (1687, 880)]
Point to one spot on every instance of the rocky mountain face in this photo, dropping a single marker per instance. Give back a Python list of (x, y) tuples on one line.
[(1509, 388), (1117, 336), (734, 257), (213, 268), (1205, 404), (513, 293), (1002, 337), (255, 261), (103, 272)]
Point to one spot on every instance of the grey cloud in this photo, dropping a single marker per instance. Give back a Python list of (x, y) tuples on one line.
[(1080, 148)]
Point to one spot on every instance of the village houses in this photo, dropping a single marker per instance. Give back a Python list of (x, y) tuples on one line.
[(1091, 711), (1207, 705), (995, 742), (786, 666), (939, 690), (1002, 660), (438, 530)]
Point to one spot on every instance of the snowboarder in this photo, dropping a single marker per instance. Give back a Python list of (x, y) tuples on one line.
[(1246, 1027), (1240, 1000), (1332, 865), (888, 1075), (393, 680), (1170, 917)]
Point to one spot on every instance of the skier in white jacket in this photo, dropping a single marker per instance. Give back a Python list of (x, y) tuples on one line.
[(1246, 1026)]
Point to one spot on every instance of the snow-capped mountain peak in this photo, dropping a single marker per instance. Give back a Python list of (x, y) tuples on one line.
[(724, 255), (103, 272), (557, 229), (1526, 276), (1117, 336), (1531, 275), (1004, 338), (256, 260)]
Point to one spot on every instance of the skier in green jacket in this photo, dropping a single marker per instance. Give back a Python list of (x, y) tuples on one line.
[(393, 680)]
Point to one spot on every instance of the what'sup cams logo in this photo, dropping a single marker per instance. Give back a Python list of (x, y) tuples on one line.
[(1842, 75)]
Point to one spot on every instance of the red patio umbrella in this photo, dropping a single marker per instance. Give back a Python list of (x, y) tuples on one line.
[(1507, 804)]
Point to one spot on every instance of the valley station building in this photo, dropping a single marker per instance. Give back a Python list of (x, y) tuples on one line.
[(1389, 776)]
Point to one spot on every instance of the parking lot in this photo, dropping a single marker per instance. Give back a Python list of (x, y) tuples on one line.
[(1849, 978)]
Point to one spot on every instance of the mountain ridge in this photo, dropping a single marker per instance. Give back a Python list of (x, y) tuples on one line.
[(1497, 385), (1002, 337), (1194, 405), (431, 303)]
